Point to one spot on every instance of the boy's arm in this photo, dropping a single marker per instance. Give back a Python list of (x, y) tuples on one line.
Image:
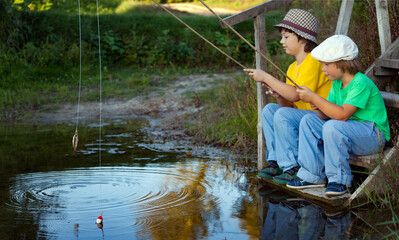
[(330, 109), (280, 100), (285, 90), (319, 113)]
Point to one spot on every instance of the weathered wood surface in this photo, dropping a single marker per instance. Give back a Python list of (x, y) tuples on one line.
[(368, 160), (387, 63), (315, 195), (254, 11), (260, 45), (391, 99), (392, 52), (344, 17), (373, 181), (384, 30), (383, 72)]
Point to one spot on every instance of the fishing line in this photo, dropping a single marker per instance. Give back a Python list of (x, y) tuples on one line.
[(75, 138), (199, 35), (249, 44), (99, 61), (80, 67)]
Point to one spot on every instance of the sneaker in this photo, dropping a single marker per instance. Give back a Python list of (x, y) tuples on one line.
[(271, 171), (298, 183), (286, 176), (266, 190), (335, 189)]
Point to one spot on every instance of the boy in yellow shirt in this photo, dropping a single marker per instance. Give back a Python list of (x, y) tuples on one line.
[(280, 122)]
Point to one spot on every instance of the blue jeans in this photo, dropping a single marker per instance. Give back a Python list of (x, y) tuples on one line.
[(281, 130), (325, 146), (286, 222)]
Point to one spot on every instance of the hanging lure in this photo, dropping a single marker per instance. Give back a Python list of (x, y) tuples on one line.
[(75, 141)]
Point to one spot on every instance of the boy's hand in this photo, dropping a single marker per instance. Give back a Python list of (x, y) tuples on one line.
[(305, 94), (272, 93), (314, 107), (257, 74)]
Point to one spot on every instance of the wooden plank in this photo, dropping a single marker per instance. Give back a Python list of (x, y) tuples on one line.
[(391, 52), (315, 195), (367, 160), (384, 30), (344, 17), (387, 63), (260, 45), (390, 99), (383, 72), (370, 183), (254, 11)]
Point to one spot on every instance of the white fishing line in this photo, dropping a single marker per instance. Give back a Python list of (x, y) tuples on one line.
[(99, 61), (80, 68)]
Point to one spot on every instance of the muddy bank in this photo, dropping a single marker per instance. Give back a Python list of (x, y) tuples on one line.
[(166, 109)]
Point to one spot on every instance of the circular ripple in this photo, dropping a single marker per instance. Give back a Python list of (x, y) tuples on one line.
[(128, 196)]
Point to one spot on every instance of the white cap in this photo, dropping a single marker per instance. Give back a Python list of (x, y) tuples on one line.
[(335, 48)]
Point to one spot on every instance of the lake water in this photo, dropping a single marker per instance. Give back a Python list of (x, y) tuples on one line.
[(144, 189)]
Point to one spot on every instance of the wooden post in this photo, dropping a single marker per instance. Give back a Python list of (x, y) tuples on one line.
[(384, 30), (344, 17), (258, 14), (260, 44)]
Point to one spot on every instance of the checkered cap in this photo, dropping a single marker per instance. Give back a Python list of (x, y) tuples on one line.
[(302, 23)]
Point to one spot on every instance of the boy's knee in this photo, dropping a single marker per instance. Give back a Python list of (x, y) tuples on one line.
[(308, 119), (269, 109), (279, 116), (331, 127)]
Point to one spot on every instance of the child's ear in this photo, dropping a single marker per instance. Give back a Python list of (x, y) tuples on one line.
[(303, 41)]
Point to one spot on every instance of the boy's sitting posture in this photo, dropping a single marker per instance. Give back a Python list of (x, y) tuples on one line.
[(280, 122), (353, 120)]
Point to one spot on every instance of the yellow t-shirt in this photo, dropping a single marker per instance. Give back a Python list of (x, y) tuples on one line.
[(309, 74)]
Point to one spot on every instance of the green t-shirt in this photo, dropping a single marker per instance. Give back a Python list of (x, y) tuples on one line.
[(363, 94)]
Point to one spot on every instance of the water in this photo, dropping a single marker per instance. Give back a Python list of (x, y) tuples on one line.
[(146, 189), (47, 192)]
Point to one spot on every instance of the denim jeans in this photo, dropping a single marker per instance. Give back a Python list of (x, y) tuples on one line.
[(325, 146), (281, 130)]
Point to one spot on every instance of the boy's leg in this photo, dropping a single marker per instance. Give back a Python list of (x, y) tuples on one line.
[(342, 138), (286, 128), (268, 131), (311, 150)]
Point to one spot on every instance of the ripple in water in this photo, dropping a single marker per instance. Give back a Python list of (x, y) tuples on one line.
[(134, 199)]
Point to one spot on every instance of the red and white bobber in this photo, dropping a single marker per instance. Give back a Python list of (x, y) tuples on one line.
[(100, 218)]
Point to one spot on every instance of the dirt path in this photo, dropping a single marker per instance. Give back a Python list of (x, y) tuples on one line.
[(163, 103), (164, 108)]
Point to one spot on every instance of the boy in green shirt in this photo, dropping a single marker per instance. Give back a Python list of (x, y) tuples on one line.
[(353, 120)]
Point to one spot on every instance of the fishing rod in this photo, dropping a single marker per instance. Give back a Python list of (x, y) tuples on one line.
[(246, 41), (199, 35)]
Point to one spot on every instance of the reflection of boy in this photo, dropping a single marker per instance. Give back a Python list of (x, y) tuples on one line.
[(280, 122), (358, 125), (301, 220)]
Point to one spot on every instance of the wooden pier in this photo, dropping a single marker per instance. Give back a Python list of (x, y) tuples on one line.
[(384, 69)]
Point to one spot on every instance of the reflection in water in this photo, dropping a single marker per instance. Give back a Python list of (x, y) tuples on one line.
[(293, 218), (48, 193)]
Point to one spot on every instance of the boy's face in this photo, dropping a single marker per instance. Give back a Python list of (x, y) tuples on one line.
[(331, 71), (290, 43)]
